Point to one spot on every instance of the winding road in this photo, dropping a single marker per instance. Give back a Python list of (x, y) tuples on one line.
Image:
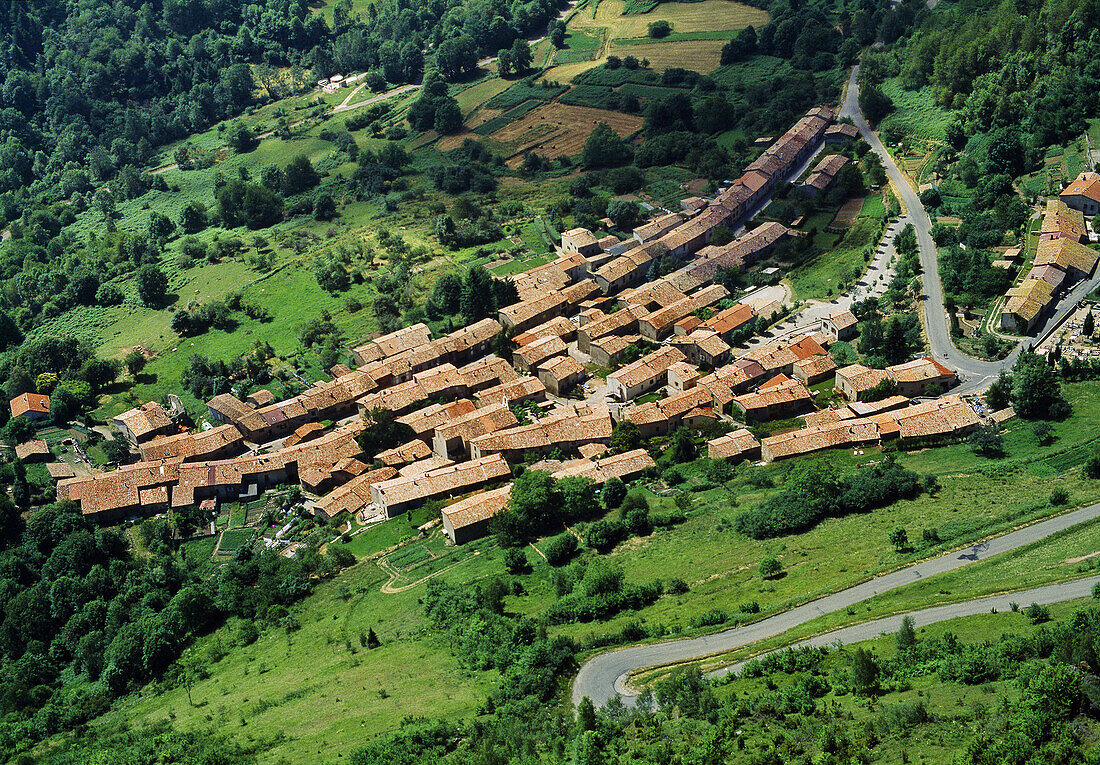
[(975, 374), (604, 675)]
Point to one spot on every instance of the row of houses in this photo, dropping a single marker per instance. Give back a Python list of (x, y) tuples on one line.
[(1061, 259)]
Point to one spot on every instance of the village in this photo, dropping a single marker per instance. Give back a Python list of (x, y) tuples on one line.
[(666, 347)]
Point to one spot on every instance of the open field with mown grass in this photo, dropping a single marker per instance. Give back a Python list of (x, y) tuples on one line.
[(840, 263), (554, 130), (698, 55), (915, 113)]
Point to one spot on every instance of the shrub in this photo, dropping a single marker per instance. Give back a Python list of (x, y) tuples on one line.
[(1059, 496), (770, 567), (560, 549), (673, 476), (1037, 614), (604, 534)]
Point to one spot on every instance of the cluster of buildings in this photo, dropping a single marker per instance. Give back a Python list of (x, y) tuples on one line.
[(1061, 260), (474, 415)]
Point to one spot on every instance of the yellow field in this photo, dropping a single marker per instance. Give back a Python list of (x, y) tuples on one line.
[(697, 55), (707, 16)]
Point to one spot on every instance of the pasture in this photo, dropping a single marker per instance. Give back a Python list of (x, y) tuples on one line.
[(916, 113), (698, 55)]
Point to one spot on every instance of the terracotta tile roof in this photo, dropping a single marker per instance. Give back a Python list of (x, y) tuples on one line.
[(815, 365), (652, 365), (1063, 221), (581, 237), (469, 426), (730, 319), (623, 320), (195, 445), (517, 390), (229, 406), (561, 368), (787, 392), (668, 409), (825, 172), (592, 450), (470, 337), (1085, 185), (409, 452), (657, 227), (732, 445), (354, 495), (486, 372), (662, 319), (861, 378), (426, 465), (1028, 299), (442, 482), (395, 398), (661, 292), (684, 371), (426, 420), (1066, 254), (59, 470), (943, 416), (559, 326), (917, 370), (478, 507), (820, 437), (30, 402), (33, 448), (842, 319), (543, 348), (145, 419), (868, 408), (395, 342), (570, 426), (623, 466), (540, 281), (707, 341), (781, 353)]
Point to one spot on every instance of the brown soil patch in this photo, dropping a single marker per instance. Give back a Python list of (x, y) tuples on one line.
[(554, 130)]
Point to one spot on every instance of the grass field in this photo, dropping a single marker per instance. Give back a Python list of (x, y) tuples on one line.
[(915, 113), (839, 264)]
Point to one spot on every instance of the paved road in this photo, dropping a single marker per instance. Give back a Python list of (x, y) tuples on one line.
[(604, 675), (935, 317), (1051, 593), (975, 374)]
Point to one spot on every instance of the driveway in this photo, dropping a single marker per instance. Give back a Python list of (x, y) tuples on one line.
[(604, 675)]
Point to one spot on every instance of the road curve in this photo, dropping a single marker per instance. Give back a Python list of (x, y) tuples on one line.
[(1051, 593), (604, 675), (935, 317)]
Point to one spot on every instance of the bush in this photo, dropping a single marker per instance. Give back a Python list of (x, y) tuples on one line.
[(1059, 496), (679, 586), (770, 567), (604, 534), (614, 492), (515, 560), (560, 549), (1037, 614), (673, 476)]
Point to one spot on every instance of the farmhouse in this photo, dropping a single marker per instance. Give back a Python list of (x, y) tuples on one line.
[(704, 348), (917, 377), (819, 437), (731, 380), (468, 519), (1074, 258), (779, 356), (227, 409), (1025, 305), (396, 495), (579, 241), (841, 133), (682, 376), (643, 375), (559, 326), (1083, 194), (424, 421), (31, 406), (726, 322), (145, 422), (738, 445), (823, 175)]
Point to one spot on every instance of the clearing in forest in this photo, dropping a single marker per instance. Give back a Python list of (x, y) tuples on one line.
[(706, 16)]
